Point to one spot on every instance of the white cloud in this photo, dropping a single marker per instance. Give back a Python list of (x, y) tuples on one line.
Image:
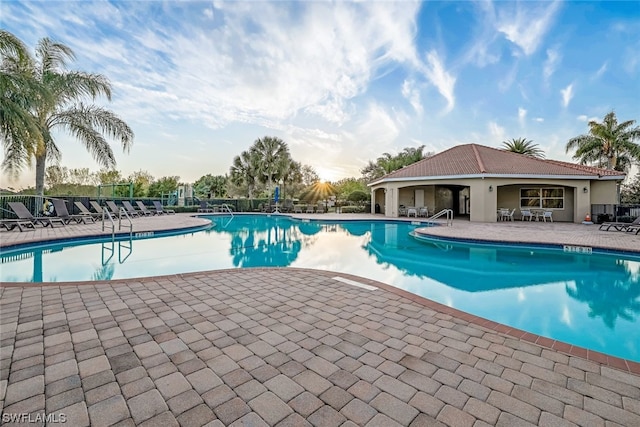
[(527, 25), (441, 79), (522, 115), (538, 119), (601, 70), (412, 94), (551, 63), (378, 128), (497, 132), (586, 119), (567, 94), (251, 64)]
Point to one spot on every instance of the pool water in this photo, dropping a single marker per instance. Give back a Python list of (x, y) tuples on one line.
[(589, 300)]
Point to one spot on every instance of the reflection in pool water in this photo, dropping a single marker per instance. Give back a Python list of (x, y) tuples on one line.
[(591, 300)]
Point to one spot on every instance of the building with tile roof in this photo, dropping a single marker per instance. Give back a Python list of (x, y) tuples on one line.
[(477, 181)]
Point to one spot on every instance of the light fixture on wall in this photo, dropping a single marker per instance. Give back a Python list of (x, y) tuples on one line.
[(490, 188), (585, 190)]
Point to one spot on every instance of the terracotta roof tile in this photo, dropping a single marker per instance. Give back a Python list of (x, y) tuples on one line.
[(474, 159)]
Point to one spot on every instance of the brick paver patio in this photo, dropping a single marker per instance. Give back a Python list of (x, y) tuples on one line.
[(284, 347)]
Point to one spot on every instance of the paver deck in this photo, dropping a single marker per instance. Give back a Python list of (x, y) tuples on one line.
[(285, 347)]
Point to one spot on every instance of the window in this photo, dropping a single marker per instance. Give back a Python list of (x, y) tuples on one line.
[(542, 198)]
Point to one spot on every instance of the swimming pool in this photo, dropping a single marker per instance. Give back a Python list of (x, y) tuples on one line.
[(590, 300)]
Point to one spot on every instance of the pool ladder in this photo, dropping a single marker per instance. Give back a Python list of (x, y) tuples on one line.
[(225, 208), (109, 247), (447, 213)]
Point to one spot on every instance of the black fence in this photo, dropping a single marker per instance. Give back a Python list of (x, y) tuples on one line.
[(36, 204), (612, 212)]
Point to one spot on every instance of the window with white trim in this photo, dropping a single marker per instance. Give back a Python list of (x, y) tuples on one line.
[(542, 198)]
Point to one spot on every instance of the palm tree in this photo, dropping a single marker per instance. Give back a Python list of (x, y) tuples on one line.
[(270, 152), (244, 171), (523, 146), (18, 129), (608, 144), (60, 106)]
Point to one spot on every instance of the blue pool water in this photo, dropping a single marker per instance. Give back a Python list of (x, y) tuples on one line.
[(590, 300)]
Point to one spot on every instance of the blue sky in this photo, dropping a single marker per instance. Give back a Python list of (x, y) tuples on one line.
[(341, 82)]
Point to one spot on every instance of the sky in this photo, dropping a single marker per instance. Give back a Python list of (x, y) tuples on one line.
[(340, 82)]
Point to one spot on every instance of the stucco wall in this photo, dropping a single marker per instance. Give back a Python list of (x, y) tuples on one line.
[(489, 194), (604, 192)]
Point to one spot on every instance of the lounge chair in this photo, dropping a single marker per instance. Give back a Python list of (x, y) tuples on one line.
[(84, 211), (62, 212), (23, 213), (619, 226), (161, 210), (113, 208), (144, 209), (10, 224), (633, 228), (204, 207), (309, 209), (96, 207), (133, 212)]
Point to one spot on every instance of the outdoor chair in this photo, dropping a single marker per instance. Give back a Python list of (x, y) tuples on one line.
[(10, 224), (84, 211), (423, 211), (99, 210), (23, 213), (526, 213), (510, 214), (144, 209), (320, 208), (297, 209), (204, 207), (633, 228), (133, 212), (620, 226), (412, 212), (547, 215), (62, 212), (113, 208), (161, 210), (309, 209), (402, 211)]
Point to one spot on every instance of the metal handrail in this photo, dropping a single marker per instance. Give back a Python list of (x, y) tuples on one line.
[(107, 214), (123, 211), (443, 212), (226, 207)]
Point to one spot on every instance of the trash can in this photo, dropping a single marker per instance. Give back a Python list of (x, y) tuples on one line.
[(377, 207)]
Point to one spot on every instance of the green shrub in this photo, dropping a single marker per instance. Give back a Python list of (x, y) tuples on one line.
[(358, 196), (352, 209), (180, 209)]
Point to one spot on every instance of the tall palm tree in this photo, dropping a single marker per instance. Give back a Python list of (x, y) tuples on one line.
[(523, 146), (270, 152), (244, 171), (61, 107), (18, 129), (608, 144)]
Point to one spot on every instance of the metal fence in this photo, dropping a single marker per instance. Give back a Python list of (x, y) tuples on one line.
[(36, 204), (613, 212)]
